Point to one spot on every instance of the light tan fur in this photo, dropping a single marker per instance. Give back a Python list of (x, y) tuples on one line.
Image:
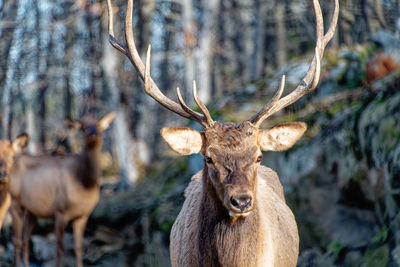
[(8, 150), (64, 188), (280, 243)]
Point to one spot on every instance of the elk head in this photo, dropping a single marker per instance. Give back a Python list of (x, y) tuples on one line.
[(8, 150), (92, 129), (232, 152)]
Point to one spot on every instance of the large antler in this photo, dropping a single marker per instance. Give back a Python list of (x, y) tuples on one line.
[(143, 70), (311, 79)]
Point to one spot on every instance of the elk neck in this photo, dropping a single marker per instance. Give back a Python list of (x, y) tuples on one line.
[(221, 242), (3, 191), (89, 165)]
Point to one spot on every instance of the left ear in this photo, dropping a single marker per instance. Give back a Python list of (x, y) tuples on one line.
[(281, 137), (183, 140), (105, 122), (20, 142)]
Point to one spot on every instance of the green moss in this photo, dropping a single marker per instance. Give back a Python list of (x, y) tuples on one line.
[(381, 236), (335, 248), (359, 175), (376, 257), (337, 107)]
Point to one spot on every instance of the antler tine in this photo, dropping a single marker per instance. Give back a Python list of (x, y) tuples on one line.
[(143, 70), (258, 118), (111, 37), (311, 79), (331, 31), (201, 105), (147, 77), (188, 109)]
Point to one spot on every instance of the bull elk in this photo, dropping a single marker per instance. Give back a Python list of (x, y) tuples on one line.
[(64, 188), (234, 213), (8, 150)]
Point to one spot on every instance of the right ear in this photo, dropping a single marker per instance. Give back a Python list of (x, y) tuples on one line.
[(281, 137), (105, 121), (183, 140), (20, 142)]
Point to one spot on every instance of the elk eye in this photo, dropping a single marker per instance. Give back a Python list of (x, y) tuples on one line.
[(209, 160), (258, 160)]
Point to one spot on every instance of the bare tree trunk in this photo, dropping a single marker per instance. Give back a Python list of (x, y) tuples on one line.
[(12, 63), (122, 138), (281, 51), (189, 31), (257, 61), (364, 12), (29, 65), (204, 54), (44, 19), (379, 13), (31, 129), (346, 22)]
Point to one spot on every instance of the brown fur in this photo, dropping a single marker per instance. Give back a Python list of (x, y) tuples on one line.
[(209, 232), (3, 191), (61, 187), (220, 242), (379, 67), (7, 152)]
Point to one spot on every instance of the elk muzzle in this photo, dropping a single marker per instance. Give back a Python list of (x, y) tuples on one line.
[(3, 176), (241, 203)]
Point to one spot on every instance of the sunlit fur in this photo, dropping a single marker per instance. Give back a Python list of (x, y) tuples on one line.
[(7, 152), (206, 234)]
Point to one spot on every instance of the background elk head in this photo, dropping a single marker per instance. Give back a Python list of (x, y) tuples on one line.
[(8, 149), (232, 152), (92, 129)]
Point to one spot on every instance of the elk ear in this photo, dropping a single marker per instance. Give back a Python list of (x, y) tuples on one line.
[(183, 140), (281, 137), (20, 142), (105, 122)]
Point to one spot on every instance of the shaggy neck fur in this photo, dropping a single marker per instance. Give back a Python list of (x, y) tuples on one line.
[(221, 243), (89, 167)]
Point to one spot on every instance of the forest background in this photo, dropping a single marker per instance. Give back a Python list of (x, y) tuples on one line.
[(56, 62)]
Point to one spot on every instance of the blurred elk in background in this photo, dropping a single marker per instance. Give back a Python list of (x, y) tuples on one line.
[(8, 150), (235, 212), (61, 187)]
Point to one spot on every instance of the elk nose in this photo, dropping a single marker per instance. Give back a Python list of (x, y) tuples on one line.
[(3, 175), (241, 202)]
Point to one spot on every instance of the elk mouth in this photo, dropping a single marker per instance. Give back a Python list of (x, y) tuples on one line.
[(239, 214)]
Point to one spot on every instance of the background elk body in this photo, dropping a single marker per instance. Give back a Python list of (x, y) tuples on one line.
[(234, 213), (61, 187), (8, 150)]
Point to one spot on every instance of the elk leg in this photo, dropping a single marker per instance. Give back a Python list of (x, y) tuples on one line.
[(16, 214), (29, 223), (79, 226), (60, 227)]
